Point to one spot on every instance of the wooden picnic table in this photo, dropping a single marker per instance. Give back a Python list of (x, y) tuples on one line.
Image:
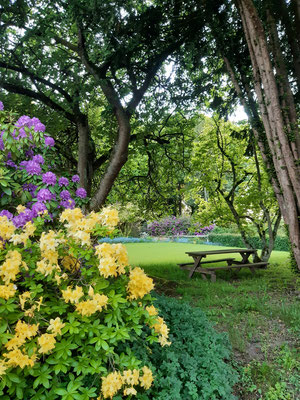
[(198, 263)]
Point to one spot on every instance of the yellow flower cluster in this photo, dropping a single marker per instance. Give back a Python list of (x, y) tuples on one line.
[(15, 357), (48, 244), (113, 259), (72, 296), (109, 217), (23, 331), (29, 230), (46, 342), (7, 291), (11, 266), (113, 382), (161, 328), (7, 229), (23, 297), (96, 303), (79, 227), (56, 326), (139, 284)]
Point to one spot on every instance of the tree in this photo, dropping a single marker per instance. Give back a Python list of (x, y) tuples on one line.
[(66, 55), (236, 182)]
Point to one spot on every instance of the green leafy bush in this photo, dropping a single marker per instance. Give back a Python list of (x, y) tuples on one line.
[(66, 304), (235, 240), (196, 365)]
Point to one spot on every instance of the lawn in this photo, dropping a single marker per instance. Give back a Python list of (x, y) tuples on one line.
[(261, 314)]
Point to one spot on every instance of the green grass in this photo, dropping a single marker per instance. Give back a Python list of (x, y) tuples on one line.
[(260, 312)]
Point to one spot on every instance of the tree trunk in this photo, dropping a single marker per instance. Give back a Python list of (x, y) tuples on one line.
[(283, 149), (117, 160), (83, 152)]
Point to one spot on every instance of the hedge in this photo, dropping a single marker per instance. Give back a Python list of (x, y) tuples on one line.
[(235, 240)]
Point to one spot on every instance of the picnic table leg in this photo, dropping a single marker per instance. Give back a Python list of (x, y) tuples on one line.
[(213, 277), (197, 261)]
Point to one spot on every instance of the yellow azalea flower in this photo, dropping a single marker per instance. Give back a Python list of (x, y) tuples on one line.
[(108, 267), (39, 303), (139, 284), (46, 342), (72, 296), (23, 297), (11, 266), (45, 268), (7, 228), (147, 378), (152, 310), (104, 250), (89, 307), (3, 367), (56, 326), (161, 328), (131, 377), (130, 391), (7, 291), (111, 384), (30, 312), (109, 217), (20, 208), (26, 330), (15, 358)]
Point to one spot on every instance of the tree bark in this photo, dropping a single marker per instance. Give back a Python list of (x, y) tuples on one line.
[(117, 160), (282, 147)]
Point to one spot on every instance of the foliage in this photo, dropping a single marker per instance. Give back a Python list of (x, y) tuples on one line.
[(235, 240), (196, 365), (176, 226), (66, 305), (237, 185), (130, 218), (31, 171)]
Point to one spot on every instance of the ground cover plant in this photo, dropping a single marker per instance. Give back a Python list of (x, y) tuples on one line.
[(177, 226), (66, 304), (260, 313)]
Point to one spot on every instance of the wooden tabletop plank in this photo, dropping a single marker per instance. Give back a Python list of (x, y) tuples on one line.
[(227, 251)]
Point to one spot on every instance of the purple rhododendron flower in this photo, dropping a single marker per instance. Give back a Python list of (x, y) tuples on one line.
[(44, 195), (70, 203), (49, 178), (38, 158), (1, 106), (6, 213), (75, 178), (65, 195), (49, 141), (21, 219), (81, 192), (23, 164), (33, 168), (63, 181), (10, 163), (38, 208)]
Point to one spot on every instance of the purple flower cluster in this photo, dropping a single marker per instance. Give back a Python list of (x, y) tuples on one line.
[(32, 168), (75, 178), (36, 163), (49, 178), (63, 181), (1, 106), (44, 195), (173, 226), (81, 192)]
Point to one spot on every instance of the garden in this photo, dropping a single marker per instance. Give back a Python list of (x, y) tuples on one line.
[(139, 140)]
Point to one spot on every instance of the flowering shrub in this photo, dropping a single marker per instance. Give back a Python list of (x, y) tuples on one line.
[(28, 162), (68, 305), (173, 226)]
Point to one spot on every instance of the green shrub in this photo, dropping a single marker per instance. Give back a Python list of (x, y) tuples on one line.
[(66, 303), (235, 240), (196, 365)]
